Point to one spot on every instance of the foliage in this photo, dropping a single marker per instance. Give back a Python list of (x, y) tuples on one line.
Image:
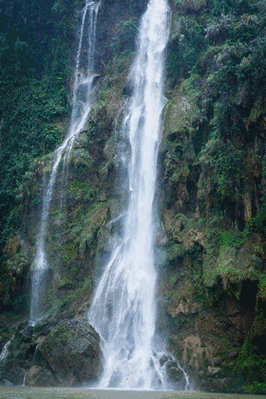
[(27, 132), (231, 257), (192, 42), (218, 7), (124, 38), (258, 223), (83, 290), (37, 329), (253, 366), (35, 46), (81, 191), (175, 251), (255, 388)]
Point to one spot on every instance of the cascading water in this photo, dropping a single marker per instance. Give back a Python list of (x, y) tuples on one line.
[(82, 103), (4, 353), (123, 310)]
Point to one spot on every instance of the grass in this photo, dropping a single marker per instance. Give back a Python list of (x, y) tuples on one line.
[(75, 393)]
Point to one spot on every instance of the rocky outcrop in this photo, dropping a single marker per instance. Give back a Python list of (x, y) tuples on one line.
[(72, 352), (208, 338), (39, 376), (55, 352)]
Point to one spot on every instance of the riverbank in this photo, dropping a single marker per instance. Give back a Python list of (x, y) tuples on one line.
[(75, 393)]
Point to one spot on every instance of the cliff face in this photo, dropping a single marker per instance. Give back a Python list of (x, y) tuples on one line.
[(212, 157), (211, 195)]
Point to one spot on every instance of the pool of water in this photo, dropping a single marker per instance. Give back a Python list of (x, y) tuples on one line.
[(75, 393)]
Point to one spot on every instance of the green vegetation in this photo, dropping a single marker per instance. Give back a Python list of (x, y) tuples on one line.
[(36, 42), (214, 173), (212, 159), (122, 40)]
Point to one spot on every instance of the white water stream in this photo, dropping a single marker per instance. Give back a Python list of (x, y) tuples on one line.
[(4, 353), (82, 103), (123, 310)]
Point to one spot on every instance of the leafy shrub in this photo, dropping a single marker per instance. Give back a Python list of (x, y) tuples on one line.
[(245, 30), (218, 7), (226, 172)]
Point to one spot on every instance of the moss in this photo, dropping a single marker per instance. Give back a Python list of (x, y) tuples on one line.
[(79, 191), (122, 40), (80, 294), (230, 256), (262, 288), (60, 335), (64, 282), (252, 365), (81, 157), (37, 328), (182, 110), (175, 251), (228, 239), (93, 222), (258, 223)]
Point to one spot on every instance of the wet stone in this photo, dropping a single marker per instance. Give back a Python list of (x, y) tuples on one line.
[(26, 334), (163, 360), (72, 351), (173, 371), (38, 376)]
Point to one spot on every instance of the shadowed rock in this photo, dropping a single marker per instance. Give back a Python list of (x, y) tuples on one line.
[(73, 352), (37, 376)]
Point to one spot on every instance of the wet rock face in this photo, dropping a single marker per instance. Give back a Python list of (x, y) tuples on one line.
[(72, 351), (174, 373), (38, 376)]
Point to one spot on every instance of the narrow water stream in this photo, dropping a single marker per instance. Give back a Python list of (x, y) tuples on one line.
[(82, 103)]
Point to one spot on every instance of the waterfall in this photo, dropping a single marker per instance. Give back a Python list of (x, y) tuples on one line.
[(123, 309), (4, 353), (81, 106)]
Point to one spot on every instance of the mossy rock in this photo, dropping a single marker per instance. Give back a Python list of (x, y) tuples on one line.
[(231, 262), (73, 352)]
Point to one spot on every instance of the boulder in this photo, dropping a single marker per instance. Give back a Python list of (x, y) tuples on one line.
[(72, 351), (38, 376), (13, 374)]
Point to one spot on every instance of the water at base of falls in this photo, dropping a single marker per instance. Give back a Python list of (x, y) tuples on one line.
[(82, 103), (123, 310)]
